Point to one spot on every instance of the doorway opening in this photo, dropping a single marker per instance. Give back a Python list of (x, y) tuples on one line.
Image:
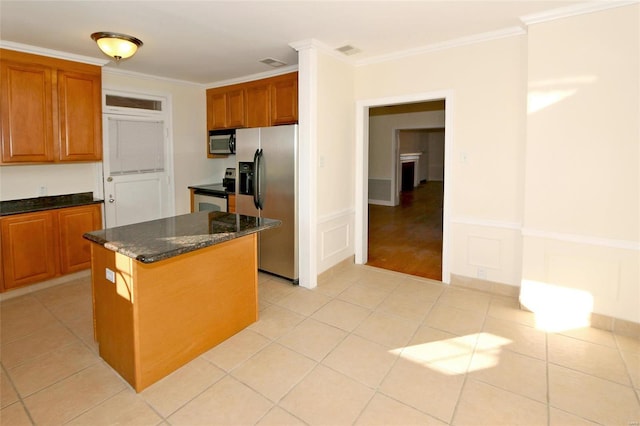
[(407, 237), (405, 230)]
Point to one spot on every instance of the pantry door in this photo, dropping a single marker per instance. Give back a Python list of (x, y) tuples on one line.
[(137, 166)]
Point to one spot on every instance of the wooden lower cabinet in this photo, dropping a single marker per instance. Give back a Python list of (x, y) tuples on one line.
[(39, 246), (28, 249), (75, 251)]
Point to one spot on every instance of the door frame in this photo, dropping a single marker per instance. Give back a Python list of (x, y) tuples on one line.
[(362, 171), (143, 115)]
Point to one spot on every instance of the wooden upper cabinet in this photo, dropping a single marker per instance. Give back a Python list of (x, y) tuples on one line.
[(284, 100), (258, 106), (225, 109), (259, 103), (80, 116), (216, 110), (50, 109), (26, 105), (236, 109)]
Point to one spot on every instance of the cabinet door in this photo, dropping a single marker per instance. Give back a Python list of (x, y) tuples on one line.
[(258, 106), (75, 251), (26, 113), (28, 248), (235, 109), (284, 101), (79, 116), (216, 111)]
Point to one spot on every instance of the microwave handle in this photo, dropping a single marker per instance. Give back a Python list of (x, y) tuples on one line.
[(232, 144)]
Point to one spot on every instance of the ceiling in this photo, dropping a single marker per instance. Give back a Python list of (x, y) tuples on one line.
[(206, 42)]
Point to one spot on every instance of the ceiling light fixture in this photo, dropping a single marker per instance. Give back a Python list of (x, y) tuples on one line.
[(118, 46)]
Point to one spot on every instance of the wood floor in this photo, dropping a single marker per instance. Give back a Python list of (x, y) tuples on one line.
[(408, 238)]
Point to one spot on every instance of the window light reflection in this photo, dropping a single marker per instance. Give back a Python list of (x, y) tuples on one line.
[(556, 308), (544, 93)]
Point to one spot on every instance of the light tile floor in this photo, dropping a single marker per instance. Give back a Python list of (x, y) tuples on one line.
[(367, 347)]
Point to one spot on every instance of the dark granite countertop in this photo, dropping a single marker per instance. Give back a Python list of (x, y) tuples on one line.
[(29, 205), (161, 239)]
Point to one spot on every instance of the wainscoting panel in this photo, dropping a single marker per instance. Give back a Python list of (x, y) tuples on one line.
[(486, 250), (335, 239), (608, 273)]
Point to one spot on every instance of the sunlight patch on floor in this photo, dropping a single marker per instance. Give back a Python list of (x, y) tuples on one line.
[(556, 308), (453, 356)]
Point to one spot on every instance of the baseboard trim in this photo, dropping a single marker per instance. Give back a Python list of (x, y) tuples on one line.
[(329, 273), (602, 322), (21, 291)]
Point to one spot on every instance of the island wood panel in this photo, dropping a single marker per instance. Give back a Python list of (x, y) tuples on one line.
[(113, 325), (173, 310)]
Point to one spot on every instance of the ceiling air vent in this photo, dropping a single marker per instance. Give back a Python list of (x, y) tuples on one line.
[(273, 62), (348, 50)]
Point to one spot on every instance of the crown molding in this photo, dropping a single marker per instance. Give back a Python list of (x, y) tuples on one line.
[(25, 48), (258, 76), (143, 76), (574, 10), (322, 47), (458, 42)]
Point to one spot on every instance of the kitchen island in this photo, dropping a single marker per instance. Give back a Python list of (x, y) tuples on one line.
[(167, 290)]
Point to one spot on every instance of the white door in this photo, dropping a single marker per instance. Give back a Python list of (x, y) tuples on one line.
[(136, 176)]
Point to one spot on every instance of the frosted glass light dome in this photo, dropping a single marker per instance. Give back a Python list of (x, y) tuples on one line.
[(118, 46)]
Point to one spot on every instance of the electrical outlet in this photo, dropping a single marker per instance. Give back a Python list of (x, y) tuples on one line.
[(43, 190), (482, 273), (110, 275)]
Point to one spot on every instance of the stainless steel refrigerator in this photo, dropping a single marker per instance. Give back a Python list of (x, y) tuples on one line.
[(267, 186)]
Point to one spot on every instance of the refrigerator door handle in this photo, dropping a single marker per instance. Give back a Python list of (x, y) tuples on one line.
[(258, 193)]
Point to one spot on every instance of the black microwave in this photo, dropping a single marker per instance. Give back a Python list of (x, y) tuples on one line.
[(222, 141)]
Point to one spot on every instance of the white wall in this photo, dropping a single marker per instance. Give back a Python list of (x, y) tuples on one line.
[(26, 181), (190, 162), (488, 85), (335, 161), (580, 205), (435, 154), (582, 191)]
